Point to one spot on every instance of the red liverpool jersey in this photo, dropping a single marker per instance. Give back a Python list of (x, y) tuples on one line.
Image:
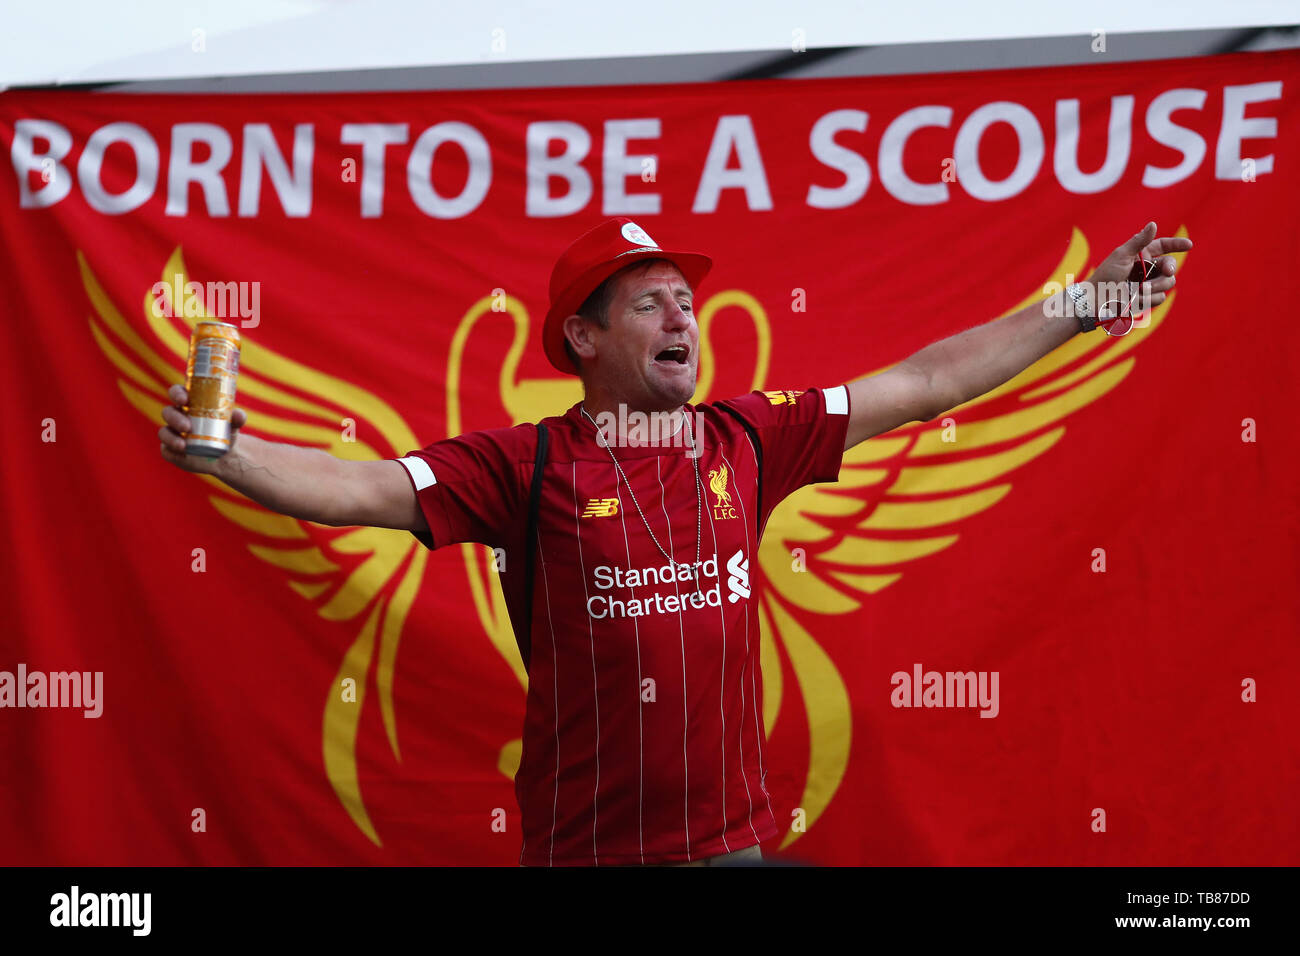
[(643, 735)]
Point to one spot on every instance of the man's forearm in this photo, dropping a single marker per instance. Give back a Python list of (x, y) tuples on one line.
[(957, 369), (304, 483), (970, 363)]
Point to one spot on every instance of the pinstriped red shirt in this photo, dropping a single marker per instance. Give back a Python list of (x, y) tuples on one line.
[(643, 738)]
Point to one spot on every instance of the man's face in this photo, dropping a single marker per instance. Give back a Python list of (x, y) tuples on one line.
[(649, 355)]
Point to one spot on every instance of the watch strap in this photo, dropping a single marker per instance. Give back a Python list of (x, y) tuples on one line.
[(1078, 294)]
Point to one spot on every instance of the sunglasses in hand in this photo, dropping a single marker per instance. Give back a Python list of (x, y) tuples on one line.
[(1115, 316)]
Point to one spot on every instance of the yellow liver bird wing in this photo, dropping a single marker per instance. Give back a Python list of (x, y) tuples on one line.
[(900, 497), (386, 566)]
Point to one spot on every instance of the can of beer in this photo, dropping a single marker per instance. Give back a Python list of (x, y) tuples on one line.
[(210, 377)]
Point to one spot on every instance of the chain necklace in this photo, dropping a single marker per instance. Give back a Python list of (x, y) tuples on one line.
[(699, 499)]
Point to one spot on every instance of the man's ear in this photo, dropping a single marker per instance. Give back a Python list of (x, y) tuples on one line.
[(578, 332)]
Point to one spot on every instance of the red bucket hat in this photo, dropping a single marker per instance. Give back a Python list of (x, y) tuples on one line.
[(590, 260)]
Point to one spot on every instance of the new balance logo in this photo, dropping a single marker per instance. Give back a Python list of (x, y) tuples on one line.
[(600, 508), (738, 582)]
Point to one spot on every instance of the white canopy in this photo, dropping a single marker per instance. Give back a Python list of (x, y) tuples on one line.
[(90, 41)]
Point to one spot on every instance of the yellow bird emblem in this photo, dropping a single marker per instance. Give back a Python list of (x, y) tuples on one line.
[(718, 485), (857, 535)]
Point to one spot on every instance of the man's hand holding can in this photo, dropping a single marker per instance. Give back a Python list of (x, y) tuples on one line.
[(172, 436)]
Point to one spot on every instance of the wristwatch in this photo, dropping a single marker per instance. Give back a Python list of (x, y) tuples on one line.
[(1082, 307)]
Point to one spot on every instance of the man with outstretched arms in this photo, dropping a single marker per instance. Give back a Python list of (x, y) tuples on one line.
[(630, 525)]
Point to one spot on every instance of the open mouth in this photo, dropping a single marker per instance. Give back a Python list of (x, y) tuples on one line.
[(674, 354)]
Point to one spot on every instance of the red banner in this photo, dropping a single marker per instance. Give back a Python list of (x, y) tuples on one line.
[(1107, 545)]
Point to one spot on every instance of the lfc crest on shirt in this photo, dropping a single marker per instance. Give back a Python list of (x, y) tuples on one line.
[(722, 507)]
